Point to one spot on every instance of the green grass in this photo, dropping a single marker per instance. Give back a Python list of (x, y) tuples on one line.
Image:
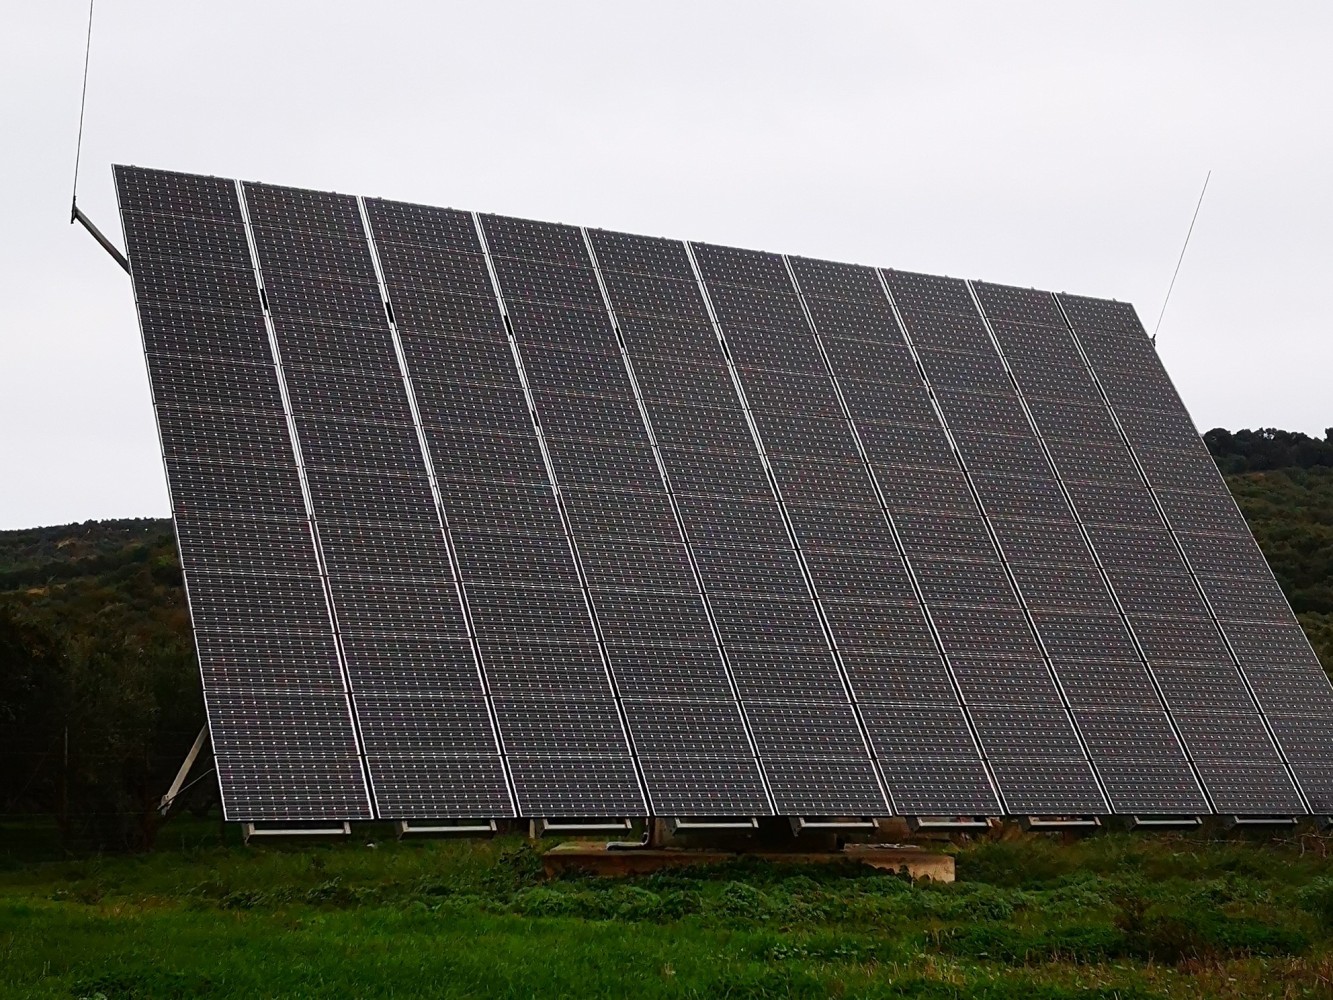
[(1113, 916)]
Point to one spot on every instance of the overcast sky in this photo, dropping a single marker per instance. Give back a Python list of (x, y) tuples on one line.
[(1059, 145)]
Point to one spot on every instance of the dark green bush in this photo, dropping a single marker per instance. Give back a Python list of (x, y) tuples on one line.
[(160, 984), (969, 901), (1176, 934), (1317, 899), (741, 900), (1030, 863), (1178, 931)]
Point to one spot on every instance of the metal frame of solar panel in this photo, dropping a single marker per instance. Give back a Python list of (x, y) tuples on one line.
[(485, 518)]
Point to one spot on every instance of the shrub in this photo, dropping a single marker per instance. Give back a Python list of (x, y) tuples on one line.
[(1029, 863), (1317, 899), (124, 985), (741, 900), (242, 900), (919, 988), (1174, 933), (545, 901), (332, 892), (970, 901), (633, 903)]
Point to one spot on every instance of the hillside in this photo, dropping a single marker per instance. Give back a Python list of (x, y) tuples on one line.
[(99, 698), (99, 695), (1283, 481)]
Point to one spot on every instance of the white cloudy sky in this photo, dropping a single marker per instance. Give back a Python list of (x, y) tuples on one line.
[(1056, 144)]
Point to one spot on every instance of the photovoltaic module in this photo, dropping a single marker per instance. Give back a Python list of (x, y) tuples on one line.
[(483, 517)]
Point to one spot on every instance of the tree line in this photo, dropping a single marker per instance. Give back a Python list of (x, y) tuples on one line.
[(1267, 448)]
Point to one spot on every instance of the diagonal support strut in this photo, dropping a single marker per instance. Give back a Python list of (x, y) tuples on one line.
[(76, 215), (169, 799)]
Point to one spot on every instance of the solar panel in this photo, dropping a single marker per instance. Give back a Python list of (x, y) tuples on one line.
[(909, 704), (379, 527), (1046, 558), (691, 738), (275, 686), (483, 517), (805, 727), (1229, 598), (1152, 594), (556, 708)]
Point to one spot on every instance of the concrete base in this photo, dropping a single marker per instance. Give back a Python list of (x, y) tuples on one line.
[(597, 859)]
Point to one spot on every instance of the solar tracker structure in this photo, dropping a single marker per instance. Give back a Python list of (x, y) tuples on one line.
[(485, 518)]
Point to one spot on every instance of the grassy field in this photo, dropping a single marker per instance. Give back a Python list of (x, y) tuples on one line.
[(1113, 916)]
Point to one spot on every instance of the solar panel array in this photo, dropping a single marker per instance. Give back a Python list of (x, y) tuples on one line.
[(483, 517)]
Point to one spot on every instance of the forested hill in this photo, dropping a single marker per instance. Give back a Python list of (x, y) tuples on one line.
[(1283, 481), (99, 691), (36, 556)]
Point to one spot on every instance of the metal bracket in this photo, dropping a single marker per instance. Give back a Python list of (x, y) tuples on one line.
[(686, 824), (538, 828), (165, 805), (1060, 822), (916, 823), (76, 215), (482, 828), (799, 824), (1164, 822), (1235, 821), (248, 830)]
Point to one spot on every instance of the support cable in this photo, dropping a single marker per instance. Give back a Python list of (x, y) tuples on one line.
[(83, 105), (75, 213), (1181, 259)]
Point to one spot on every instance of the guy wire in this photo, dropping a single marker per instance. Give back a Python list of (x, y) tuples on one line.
[(83, 104), (1181, 258)]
